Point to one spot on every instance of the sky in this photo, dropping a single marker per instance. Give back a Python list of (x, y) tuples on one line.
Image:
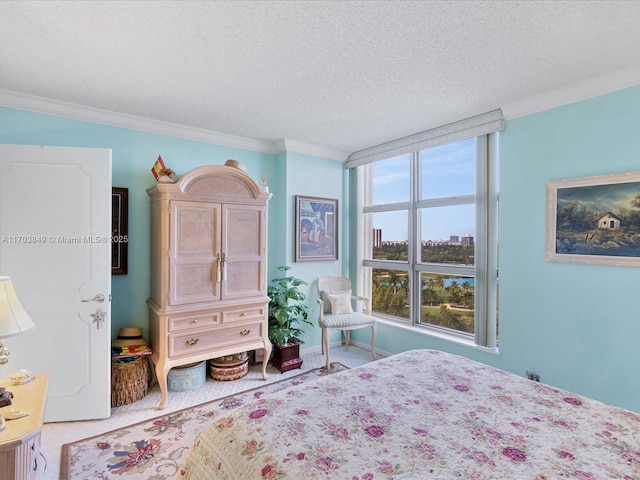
[(448, 170), (612, 197)]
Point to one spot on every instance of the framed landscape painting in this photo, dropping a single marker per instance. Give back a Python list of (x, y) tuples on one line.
[(594, 220), (316, 229)]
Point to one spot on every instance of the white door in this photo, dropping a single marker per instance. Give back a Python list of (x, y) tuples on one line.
[(55, 222)]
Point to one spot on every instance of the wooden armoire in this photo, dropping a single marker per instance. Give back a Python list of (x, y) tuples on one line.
[(208, 269)]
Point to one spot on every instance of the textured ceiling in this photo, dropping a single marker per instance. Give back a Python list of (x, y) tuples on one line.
[(341, 75)]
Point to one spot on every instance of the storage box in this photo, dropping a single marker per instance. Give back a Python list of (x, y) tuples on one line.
[(231, 367), (187, 377), (257, 356)]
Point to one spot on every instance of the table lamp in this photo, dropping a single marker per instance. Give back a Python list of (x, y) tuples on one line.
[(13, 317)]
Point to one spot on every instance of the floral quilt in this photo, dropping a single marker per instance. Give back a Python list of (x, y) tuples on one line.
[(154, 448), (422, 414)]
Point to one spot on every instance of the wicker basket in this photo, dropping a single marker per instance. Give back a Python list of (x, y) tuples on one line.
[(129, 381), (231, 367)]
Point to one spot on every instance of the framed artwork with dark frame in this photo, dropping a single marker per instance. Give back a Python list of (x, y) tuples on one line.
[(594, 220), (119, 230), (316, 229)]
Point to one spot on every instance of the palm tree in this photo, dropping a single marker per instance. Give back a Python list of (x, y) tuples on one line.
[(394, 280), (467, 293), (429, 287), (455, 291)]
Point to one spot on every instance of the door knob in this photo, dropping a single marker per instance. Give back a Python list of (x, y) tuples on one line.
[(99, 298)]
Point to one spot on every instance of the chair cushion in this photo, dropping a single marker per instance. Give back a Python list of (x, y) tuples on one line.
[(340, 302), (324, 296), (346, 320)]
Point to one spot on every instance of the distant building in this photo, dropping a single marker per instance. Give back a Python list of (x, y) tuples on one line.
[(454, 240), (377, 237), (467, 241)]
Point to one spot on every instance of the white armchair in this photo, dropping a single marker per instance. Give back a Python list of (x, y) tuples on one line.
[(336, 312)]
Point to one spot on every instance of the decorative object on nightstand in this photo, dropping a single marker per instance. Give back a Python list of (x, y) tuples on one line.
[(20, 440), (5, 399), (13, 317), (21, 377), (13, 321)]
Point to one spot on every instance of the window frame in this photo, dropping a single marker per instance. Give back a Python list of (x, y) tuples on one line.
[(485, 270)]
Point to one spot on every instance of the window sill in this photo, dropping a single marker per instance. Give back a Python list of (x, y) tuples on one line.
[(458, 339)]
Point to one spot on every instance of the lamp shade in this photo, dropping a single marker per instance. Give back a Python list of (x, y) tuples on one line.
[(13, 317)]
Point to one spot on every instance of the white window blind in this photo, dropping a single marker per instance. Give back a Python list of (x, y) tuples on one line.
[(471, 127)]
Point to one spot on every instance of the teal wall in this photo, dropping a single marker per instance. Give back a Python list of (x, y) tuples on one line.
[(577, 326), (313, 177)]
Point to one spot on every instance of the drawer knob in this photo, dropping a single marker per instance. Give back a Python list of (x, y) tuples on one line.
[(194, 321), (192, 341), (244, 333), (243, 314)]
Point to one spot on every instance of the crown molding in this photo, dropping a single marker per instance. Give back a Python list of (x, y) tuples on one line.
[(75, 111), (106, 117), (290, 145), (575, 92)]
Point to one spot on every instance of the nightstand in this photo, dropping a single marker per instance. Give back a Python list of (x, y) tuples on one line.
[(20, 439)]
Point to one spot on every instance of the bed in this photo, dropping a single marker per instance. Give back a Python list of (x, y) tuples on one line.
[(422, 414)]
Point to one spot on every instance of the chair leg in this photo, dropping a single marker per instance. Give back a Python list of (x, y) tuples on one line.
[(373, 340), (347, 339), (325, 342), (322, 339)]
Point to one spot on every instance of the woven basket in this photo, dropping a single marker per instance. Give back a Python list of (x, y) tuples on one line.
[(129, 381), (231, 367)]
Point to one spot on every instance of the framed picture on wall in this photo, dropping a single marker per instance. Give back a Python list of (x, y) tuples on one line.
[(316, 229), (119, 230), (594, 220)]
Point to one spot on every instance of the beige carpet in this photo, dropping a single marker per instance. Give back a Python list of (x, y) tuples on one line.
[(153, 449)]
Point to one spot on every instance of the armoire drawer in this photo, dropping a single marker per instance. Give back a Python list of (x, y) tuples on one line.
[(249, 312), (205, 321), (198, 342)]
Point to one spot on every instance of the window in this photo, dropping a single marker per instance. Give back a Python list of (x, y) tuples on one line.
[(429, 238)]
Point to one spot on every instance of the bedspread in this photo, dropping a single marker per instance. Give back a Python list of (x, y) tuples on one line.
[(422, 414)]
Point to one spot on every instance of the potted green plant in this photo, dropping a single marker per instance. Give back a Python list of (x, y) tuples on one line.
[(287, 313)]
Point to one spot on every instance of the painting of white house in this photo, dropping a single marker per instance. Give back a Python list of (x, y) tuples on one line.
[(594, 220)]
